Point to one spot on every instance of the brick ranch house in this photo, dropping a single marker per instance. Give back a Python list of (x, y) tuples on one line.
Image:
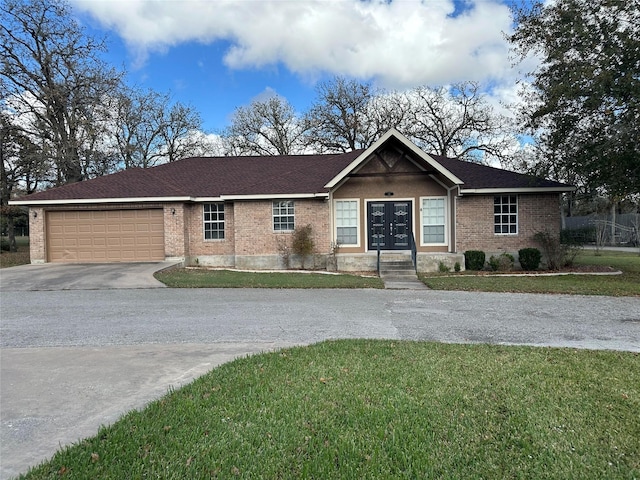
[(236, 211)]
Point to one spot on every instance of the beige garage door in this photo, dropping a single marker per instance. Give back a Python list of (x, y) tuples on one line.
[(105, 236)]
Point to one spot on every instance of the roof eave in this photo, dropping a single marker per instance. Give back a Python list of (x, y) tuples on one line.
[(494, 190), (220, 198), (86, 201), (265, 196)]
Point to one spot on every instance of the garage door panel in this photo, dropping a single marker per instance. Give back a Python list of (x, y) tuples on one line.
[(105, 236)]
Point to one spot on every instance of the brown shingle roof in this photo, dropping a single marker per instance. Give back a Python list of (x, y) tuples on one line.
[(216, 177), (476, 176), (210, 177)]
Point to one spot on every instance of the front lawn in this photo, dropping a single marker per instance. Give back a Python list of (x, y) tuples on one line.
[(207, 278), (382, 409), (627, 284), (21, 257)]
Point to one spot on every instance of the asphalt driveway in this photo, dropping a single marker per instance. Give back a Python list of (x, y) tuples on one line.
[(72, 360), (81, 276)]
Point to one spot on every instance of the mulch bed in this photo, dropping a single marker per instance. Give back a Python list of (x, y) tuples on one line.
[(579, 269)]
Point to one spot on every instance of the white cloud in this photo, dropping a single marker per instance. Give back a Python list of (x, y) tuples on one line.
[(397, 44)]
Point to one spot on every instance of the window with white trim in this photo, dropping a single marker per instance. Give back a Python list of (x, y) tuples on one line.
[(284, 216), (213, 221), (505, 215), (434, 214), (347, 222)]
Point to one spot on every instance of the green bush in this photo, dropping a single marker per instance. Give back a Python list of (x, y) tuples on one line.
[(442, 268), (4, 244), (302, 243), (502, 263), (529, 258), (456, 267), (474, 259), (557, 254)]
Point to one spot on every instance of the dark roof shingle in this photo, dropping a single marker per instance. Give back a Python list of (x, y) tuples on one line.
[(215, 177), (477, 176)]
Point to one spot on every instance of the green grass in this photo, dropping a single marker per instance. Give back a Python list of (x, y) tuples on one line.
[(627, 284), (21, 257), (382, 409), (202, 278)]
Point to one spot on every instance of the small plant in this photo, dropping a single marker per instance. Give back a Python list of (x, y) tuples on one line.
[(284, 250), (332, 260), (529, 258), (502, 263), (474, 259), (302, 243), (456, 267), (556, 254), (4, 244), (442, 268)]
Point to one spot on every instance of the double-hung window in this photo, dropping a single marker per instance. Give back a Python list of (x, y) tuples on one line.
[(434, 220), (213, 221), (347, 222), (284, 216), (505, 215)]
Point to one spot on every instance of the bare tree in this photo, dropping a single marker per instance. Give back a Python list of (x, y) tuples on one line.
[(178, 132), (387, 110), (269, 127), (52, 70), (19, 166), (137, 121), (147, 129), (338, 120), (457, 122)]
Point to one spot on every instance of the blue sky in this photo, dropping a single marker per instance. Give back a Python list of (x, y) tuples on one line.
[(217, 55)]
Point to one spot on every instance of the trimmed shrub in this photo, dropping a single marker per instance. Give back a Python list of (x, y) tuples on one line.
[(502, 263), (442, 268), (4, 244), (474, 259), (456, 267), (302, 242), (529, 258), (557, 255)]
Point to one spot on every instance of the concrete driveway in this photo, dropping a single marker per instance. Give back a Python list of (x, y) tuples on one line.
[(81, 276), (72, 360)]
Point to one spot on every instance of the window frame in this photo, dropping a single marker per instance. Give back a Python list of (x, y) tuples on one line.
[(356, 201), (445, 224), (220, 209), (277, 216), (498, 217)]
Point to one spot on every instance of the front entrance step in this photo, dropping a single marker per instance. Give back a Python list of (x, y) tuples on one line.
[(396, 265), (397, 272)]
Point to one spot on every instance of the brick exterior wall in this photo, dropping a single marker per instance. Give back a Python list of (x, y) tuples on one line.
[(37, 237), (194, 232), (249, 224), (254, 234), (174, 230), (475, 227)]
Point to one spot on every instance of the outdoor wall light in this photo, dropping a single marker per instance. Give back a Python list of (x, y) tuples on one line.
[(388, 194), (173, 211), (35, 214)]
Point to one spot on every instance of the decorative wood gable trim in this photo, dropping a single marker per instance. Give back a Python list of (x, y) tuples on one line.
[(374, 151)]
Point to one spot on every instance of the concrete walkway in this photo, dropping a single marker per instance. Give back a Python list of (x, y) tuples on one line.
[(403, 283)]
